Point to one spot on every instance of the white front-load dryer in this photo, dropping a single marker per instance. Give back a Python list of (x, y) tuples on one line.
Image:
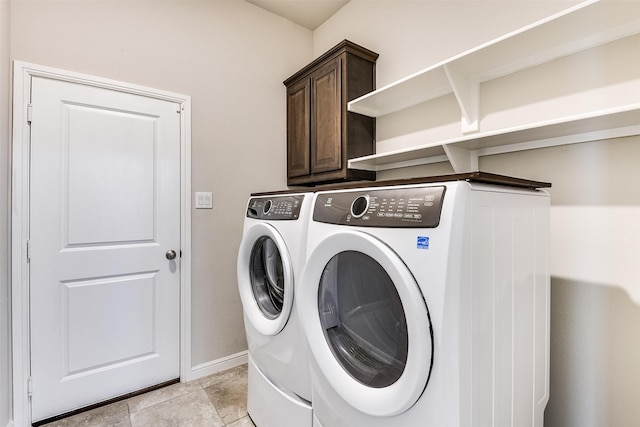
[(270, 261), (428, 305)]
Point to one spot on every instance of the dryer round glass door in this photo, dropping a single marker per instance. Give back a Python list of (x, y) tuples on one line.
[(265, 278), (371, 335), (363, 319)]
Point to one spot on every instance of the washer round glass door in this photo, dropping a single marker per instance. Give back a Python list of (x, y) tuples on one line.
[(265, 278), (372, 336)]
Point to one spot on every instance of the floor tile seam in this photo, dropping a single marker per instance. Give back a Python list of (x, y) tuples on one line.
[(215, 408), (153, 407), (226, 422), (131, 412)]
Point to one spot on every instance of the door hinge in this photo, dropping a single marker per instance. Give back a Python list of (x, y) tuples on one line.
[(29, 113), (178, 108), (29, 387), (28, 250)]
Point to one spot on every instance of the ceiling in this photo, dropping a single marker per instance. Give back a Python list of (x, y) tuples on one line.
[(308, 13)]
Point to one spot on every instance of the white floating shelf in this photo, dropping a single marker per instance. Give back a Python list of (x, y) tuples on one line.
[(587, 25), (463, 152), (583, 26)]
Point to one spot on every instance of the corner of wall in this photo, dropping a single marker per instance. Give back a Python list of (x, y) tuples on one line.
[(218, 365)]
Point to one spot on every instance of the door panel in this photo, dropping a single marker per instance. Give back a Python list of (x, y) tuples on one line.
[(326, 97), (298, 129), (104, 209), (89, 321), (107, 163)]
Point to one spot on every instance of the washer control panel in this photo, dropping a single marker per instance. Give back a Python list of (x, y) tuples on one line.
[(418, 207), (275, 208)]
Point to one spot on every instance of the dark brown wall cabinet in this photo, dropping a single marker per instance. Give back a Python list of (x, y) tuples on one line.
[(321, 134)]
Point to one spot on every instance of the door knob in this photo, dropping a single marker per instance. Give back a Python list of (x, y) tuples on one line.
[(171, 254)]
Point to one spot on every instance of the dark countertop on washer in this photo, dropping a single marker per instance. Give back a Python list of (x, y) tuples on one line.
[(483, 177)]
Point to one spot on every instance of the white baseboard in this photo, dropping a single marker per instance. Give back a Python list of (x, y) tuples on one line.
[(214, 366)]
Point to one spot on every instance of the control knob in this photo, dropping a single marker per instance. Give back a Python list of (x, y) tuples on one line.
[(360, 206)]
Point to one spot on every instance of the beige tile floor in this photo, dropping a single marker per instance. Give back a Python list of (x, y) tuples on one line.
[(214, 401)]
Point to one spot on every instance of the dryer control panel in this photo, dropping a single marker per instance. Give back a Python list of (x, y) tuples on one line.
[(275, 208), (415, 207)]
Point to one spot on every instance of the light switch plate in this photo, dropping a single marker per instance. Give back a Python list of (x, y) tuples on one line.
[(204, 200)]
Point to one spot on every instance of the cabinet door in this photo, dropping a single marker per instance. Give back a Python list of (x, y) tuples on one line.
[(298, 129), (326, 143)]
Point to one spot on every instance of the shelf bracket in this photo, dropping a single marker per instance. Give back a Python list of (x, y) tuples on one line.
[(466, 90), (461, 159)]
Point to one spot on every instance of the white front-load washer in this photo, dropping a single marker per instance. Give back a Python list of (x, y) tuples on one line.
[(428, 305), (270, 261)]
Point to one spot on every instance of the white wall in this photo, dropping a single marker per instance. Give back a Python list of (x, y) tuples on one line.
[(5, 312), (231, 58), (595, 216), (411, 35)]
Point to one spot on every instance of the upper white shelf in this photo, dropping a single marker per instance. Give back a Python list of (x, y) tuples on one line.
[(586, 25), (463, 152)]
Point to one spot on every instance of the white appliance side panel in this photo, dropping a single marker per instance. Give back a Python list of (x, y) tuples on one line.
[(510, 299), (542, 311), (482, 319)]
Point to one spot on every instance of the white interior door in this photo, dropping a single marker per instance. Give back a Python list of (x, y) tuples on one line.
[(104, 212)]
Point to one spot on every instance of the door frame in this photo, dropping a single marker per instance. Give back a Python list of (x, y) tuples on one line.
[(20, 314)]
